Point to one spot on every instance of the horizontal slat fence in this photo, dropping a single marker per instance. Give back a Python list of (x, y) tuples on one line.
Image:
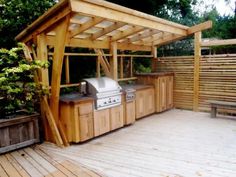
[(217, 79), (183, 79)]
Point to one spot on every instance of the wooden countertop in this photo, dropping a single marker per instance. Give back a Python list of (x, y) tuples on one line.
[(75, 98), (136, 86), (156, 74)]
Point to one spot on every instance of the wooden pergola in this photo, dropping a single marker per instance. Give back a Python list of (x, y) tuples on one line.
[(99, 25)]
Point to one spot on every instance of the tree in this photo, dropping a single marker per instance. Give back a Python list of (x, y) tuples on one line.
[(16, 15)]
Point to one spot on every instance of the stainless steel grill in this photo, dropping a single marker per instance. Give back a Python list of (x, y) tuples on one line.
[(106, 92)]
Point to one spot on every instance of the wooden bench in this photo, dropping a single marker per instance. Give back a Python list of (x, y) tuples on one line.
[(220, 104)]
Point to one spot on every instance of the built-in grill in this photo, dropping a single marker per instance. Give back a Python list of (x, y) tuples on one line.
[(106, 92)]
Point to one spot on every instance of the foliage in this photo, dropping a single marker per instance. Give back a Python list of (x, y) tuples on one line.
[(16, 15), (18, 89)]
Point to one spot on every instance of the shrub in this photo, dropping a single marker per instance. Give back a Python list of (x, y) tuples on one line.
[(17, 86)]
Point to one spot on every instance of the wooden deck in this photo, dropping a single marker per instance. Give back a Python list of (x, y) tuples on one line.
[(34, 162), (172, 144)]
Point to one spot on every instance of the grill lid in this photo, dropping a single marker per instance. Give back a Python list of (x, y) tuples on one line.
[(102, 85)]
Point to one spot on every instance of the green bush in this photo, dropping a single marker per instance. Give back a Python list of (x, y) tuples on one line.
[(17, 86)]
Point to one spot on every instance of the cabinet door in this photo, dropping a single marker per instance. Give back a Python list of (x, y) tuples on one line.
[(101, 122), (129, 112), (162, 89), (81, 110), (116, 117), (140, 104), (149, 101), (169, 91), (86, 127)]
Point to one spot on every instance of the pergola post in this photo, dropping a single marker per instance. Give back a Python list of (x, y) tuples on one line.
[(113, 61), (98, 63), (121, 67), (67, 69), (154, 53), (197, 58), (58, 55), (42, 54)]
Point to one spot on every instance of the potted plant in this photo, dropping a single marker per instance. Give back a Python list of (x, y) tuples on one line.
[(19, 99)]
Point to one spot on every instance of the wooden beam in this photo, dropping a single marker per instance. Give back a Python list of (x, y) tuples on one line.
[(200, 27), (131, 66), (67, 69), (128, 79), (107, 55), (59, 48), (45, 109), (121, 68), (113, 62), (94, 21), (104, 63), (107, 30), (218, 42), (84, 43), (122, 46), (154, 64), (52, 122), (197, 58), (51, 17), (42, 54), (118, 13), (172, 37)]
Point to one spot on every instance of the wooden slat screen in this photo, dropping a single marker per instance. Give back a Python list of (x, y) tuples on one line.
[(183, 79), (217, 79)]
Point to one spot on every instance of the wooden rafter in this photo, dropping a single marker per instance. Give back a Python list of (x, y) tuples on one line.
[(139, 37), (107, 30), (57, 13), (96, 44), (94, 21), (126, 33), (149, 40)]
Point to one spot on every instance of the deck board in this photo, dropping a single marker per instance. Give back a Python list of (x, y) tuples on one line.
[(175, 143), (34, 162)]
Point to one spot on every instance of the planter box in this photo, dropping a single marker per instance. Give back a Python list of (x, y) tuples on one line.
[(18, 132)]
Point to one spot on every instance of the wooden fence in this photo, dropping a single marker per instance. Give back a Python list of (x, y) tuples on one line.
[(217, 79)]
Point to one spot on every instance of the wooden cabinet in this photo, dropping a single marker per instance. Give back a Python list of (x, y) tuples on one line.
[(144, 102), (129, 112), (101, 122), (161, 94), (163, 84), (149, 101), (164, 93), (116, 117), (77, 120)]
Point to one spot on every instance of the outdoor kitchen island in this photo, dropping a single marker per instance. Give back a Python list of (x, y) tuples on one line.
[(82, 121)]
